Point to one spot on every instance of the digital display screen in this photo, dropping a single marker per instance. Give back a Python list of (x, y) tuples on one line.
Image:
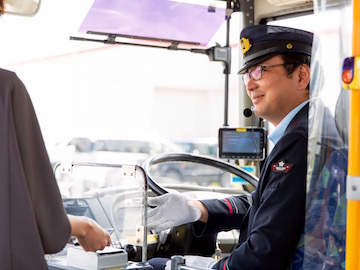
[(242, 143)]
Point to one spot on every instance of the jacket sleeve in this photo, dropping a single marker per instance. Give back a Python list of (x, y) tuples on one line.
[(224, 215)]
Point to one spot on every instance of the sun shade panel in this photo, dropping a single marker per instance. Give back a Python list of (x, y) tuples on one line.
[(159, 20)]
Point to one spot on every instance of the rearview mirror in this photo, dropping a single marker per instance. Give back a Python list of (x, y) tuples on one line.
[(22, 7)]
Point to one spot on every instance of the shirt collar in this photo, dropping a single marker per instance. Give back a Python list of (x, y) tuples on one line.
[(279, 130)]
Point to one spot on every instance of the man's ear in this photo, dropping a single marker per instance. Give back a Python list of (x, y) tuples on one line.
[(304, 76)]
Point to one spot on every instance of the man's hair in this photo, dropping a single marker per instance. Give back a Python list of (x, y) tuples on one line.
[(2, 7), (293, 60)]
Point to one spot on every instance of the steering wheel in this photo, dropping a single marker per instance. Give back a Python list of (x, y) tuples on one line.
[(180, 239), (185, 157)]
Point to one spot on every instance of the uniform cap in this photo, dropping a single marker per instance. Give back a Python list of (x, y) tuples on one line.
[(260, 42)]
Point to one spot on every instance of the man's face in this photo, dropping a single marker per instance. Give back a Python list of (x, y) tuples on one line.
[(276, 93)]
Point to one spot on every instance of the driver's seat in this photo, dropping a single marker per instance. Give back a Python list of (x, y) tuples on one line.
[(322, 245)]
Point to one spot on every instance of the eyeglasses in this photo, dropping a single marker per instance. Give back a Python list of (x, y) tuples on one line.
[(256, 73)]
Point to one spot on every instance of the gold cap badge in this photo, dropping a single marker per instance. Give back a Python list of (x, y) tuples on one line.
[(245, 44)]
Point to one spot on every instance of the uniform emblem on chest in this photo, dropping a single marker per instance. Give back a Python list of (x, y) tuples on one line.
[(281, 167)]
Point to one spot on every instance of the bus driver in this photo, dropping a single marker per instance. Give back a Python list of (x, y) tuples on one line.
[(276, 74)]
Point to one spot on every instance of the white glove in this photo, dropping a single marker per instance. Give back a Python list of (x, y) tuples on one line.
[(172, 209), (195, 261)]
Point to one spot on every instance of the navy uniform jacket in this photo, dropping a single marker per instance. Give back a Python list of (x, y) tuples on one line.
[(270, 228)]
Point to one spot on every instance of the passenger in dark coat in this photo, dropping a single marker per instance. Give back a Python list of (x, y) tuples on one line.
[(33, 221)]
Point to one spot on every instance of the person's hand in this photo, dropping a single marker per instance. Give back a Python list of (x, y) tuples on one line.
[(90, 235), (172, 209), (195, 261)]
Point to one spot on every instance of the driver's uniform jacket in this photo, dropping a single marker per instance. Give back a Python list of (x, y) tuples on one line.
[(271, 221)]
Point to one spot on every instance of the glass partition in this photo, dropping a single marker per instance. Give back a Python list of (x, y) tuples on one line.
[(322, 245), (325, 224), (115, 196)]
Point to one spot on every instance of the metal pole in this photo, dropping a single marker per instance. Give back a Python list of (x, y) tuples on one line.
[(227, 69)]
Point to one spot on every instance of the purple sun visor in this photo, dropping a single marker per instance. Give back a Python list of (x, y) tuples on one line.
[(160, 20)]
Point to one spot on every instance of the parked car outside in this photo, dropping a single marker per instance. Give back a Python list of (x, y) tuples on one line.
[(127, 148), (131, 147), (194, 173), (201, 146)]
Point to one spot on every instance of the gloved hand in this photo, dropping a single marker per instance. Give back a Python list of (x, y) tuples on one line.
[(172, 209), (195, 261)]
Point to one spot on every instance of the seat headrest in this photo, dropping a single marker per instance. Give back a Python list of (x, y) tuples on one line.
[(342, 115)]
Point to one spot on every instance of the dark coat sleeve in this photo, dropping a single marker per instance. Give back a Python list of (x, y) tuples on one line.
[(224, 215), (33, 220)]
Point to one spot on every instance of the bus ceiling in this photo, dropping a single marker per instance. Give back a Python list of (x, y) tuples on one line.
[(277, 8)]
